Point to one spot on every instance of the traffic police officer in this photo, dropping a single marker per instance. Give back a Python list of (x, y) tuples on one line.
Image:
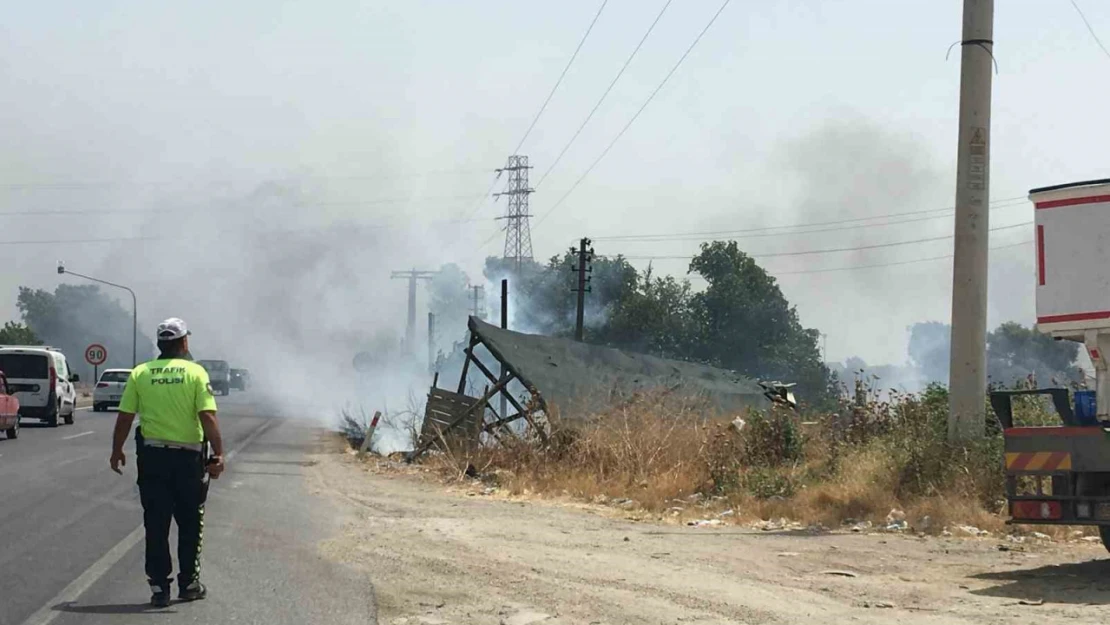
[(177, 431)]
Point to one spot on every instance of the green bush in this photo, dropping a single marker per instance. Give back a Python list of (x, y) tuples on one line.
[(772, 438)]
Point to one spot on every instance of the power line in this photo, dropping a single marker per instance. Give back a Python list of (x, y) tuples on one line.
[(1083, 17), (839, 249), (478, 204), (604, 95), (140, 211), (636, 115), (895, 264), (570, 62), (84, 185), (346, 226), (681, 236)]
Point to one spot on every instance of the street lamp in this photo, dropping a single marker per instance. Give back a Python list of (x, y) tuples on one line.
[(134, 308)]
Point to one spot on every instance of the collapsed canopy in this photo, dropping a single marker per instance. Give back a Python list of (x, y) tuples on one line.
[(573, 375)]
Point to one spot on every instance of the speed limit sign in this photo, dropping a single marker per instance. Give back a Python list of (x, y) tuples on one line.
[(95, 354)]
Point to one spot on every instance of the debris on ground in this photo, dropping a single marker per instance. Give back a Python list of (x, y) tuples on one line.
[(1033, 602), (525, 618), (897, 526), (970, 530), (775, 525), (878, 604), (705, 523), (737, 425), (861, 526), (840, 573)]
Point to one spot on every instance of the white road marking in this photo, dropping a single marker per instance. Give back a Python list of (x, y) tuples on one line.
[(73, 436), (46, 614)]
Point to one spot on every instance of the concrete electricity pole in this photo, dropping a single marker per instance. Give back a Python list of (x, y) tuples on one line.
[(585, 254), (967, 381), (410, 328)]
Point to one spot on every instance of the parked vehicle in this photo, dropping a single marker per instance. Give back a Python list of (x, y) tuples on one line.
[(240, 379), (9, 409), (40, 379), (109, 388), (1060, 474), (219, 375)]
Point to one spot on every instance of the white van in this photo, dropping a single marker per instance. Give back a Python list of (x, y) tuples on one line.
[(39, 377)]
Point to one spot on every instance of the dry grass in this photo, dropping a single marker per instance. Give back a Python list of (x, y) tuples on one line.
[(856, 464)]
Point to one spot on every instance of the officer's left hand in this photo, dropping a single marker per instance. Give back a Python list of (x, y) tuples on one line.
[(119, 459)]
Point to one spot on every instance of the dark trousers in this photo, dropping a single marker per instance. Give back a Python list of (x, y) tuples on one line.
[(172, 484)]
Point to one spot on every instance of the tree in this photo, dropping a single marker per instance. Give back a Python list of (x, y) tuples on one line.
[(449, 301), (73, 316), (652, 317), (1014, 352), (17, 334), (743, 322), (929, 349), (541, 299)]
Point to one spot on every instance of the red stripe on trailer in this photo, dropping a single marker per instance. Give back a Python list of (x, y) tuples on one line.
[(1040, 255), (1086, 316), (1055, 431), (1075, 201), (1057, 459), (1020, 461)]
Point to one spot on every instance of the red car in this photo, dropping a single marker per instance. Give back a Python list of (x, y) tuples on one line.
[(9, 409)]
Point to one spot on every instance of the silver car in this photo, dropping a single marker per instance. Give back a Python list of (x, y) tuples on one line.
[(109, 388)]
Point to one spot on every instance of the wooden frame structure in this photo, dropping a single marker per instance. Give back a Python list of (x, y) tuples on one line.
[(447, 420)]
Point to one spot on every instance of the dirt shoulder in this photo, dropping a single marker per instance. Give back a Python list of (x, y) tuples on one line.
[(446, 556)]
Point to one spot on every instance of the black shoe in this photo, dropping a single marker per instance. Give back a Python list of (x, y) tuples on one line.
[(160, 596), (193, 592)]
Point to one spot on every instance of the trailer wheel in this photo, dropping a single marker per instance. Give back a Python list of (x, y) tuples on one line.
[(1104, 534)]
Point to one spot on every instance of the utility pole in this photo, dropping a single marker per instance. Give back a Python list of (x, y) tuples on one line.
[(967, 380), (585, 254), (410, 328), (518, 235), (478, 308)]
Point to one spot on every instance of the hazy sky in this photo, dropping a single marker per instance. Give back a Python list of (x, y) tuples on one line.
[(787, 112)]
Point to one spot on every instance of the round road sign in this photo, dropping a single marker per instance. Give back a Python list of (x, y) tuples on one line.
[(95, 354)]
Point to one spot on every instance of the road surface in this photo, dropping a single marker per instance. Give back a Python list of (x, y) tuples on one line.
[(72, 550)]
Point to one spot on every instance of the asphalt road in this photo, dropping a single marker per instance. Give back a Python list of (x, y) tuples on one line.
[(71, 548)]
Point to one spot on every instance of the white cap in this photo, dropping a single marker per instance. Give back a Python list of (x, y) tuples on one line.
[(172, 329)]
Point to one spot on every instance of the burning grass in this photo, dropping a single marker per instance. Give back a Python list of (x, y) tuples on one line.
[(855, 464)]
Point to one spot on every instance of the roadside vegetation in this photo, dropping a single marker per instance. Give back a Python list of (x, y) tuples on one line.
[(855, 464)]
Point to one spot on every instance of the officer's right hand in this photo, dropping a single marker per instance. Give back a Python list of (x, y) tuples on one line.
[(119, 459), (215, 467)]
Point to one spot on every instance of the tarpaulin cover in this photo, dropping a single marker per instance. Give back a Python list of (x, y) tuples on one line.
[(574, 376)]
